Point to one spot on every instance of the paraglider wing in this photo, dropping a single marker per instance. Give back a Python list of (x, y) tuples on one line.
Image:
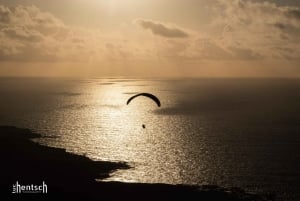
[(154, 98)]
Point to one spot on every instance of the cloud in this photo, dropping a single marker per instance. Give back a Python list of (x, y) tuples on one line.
[(239, 30), (294, 13), (27, 33), (253, 29), (200, 48), (161, 29), (22, 33), (30, 17), (4, 14)]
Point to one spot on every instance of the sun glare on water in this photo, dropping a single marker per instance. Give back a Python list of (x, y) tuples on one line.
[(120, 135), (120, 125)]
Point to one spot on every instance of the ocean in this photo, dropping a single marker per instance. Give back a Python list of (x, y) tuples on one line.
[(229, 132)]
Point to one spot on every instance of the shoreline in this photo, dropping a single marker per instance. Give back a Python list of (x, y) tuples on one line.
[(72, 176)]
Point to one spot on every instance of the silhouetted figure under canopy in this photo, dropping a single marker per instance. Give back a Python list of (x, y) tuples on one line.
[(148, 95)]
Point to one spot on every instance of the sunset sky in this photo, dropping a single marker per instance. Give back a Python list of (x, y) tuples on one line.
[(149, 38)]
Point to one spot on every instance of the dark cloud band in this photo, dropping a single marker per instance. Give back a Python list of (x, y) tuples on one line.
[(162, 29)]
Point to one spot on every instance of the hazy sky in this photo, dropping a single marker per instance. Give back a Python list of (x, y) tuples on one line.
[(150, 38)]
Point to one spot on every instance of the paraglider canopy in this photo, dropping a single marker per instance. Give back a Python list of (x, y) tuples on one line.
[(154, 98)]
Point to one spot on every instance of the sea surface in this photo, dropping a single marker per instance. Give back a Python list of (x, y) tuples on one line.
[(230, 132)]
